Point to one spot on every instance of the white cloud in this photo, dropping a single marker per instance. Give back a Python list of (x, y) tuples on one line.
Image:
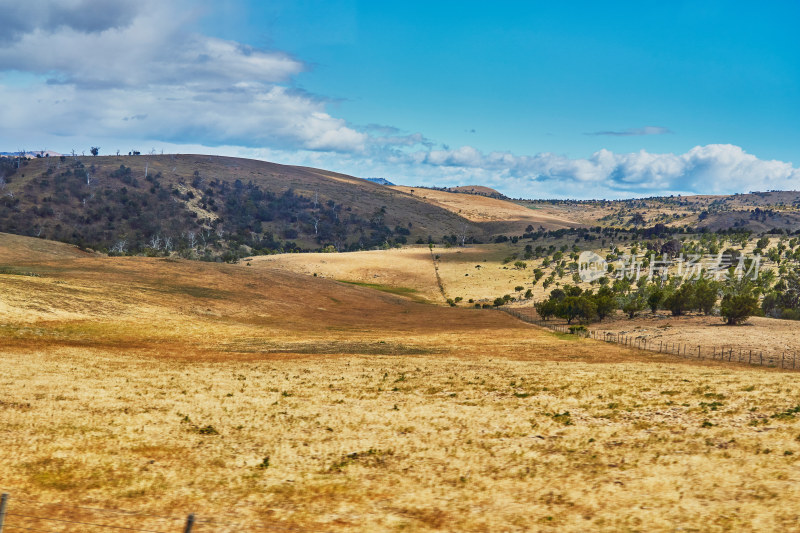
[(136, 60), (714, 168)]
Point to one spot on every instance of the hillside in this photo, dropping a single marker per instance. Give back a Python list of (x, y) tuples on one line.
[(207, 206), (494, 215)]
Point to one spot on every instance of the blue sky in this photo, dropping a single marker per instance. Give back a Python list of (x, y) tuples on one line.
[(581, 99)]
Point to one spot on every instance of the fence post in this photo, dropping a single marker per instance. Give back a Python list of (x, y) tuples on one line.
[(3, 503), (698, 352), (189, 524)]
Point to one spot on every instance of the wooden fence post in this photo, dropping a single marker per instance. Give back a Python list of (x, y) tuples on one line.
[(189, 524), (3, 503)]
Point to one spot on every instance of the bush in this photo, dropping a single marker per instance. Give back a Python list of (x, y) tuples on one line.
[(546, 308), (580, 307), (681, 300), (655, 298), (633, 306), (738, 307)]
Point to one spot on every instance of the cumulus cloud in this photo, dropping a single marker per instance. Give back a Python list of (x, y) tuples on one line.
[(126, 67), (711, 169), (647, 130), (89, 16)]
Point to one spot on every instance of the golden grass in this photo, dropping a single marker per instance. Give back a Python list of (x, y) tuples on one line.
[(475, 271), (376, 413), (503, 216)]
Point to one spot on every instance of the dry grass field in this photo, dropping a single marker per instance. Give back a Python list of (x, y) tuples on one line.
[(473, 272), (499, 216), (255, 396)]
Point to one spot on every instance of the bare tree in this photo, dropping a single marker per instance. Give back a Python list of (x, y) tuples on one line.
[(192, 238), (155, 242), (462, 233), (120, 246), (168, 244), (117, 153)]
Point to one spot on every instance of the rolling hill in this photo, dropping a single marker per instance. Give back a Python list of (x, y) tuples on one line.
[(494, 215), (209, 206)]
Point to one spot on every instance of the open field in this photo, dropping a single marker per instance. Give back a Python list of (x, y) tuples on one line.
[(473, 272), (482, 273), (501, 216), (161, 386)]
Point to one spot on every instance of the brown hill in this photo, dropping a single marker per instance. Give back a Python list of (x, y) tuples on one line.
[(213, 206), (492, 215)]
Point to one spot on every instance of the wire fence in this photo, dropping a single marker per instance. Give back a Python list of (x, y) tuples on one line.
[(737, 354), (22, 514)]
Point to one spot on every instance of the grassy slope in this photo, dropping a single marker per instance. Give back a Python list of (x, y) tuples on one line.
[(376, 413), (493, 214), (363, 198)]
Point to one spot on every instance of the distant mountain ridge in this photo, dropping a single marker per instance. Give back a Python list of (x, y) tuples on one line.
[(380, 181)]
